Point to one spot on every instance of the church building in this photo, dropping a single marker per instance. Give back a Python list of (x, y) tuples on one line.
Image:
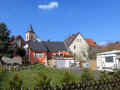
[(42, 51)]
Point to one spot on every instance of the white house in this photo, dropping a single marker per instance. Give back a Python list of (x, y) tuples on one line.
[(107, 61), (78, 46)]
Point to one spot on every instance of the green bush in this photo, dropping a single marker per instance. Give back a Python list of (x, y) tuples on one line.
[(116, 73), (43, 81), (16, 83), (20, 52), (26, 60), (68, 78), (87, 75), (39, 66), (104, 75)]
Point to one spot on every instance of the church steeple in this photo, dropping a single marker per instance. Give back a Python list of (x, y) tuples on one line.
[(30, 34), (30, 29)]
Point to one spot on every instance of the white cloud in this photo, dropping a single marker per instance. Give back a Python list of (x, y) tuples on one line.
[(103, 43), (49, 6)]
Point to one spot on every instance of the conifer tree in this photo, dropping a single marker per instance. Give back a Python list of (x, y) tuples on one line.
[(4, 39)]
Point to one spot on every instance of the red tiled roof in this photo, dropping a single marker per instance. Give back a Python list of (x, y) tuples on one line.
[(102, 47), (91, 42), (70, 39)]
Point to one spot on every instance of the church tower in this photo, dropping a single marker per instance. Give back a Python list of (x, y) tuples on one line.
[(30, 34)]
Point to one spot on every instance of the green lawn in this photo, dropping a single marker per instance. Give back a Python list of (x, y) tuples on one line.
[(30, 77)]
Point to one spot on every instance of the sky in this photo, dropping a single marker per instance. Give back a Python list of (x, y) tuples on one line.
[(55, 20)]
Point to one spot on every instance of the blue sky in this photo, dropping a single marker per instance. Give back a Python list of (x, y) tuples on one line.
[(57, 19)]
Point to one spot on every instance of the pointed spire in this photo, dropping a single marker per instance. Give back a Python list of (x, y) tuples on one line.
[(30, 29)]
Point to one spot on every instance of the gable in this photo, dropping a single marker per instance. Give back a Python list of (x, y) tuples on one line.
[(79, 40), (70, 39), (18, 40), (75, 39)]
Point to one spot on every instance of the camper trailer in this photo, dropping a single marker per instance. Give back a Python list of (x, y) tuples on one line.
[(108, 61)]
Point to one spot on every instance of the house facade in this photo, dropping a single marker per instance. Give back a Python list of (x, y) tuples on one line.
[(37, 52), (17, 42), (78, 46)]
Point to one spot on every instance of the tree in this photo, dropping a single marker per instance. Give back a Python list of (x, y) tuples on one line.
[(20, 52), (4, 39)]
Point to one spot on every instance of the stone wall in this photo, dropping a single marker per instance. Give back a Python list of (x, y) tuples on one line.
[(14, 60)]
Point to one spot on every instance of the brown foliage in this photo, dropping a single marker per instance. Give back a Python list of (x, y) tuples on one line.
[(111, 46)]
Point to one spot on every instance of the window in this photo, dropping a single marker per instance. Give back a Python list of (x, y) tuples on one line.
[(59, 54), (75, 55), (18, 42), (74, 47), (38, 54), (109, 59), (27, 37), (84, 54), (77, 40)]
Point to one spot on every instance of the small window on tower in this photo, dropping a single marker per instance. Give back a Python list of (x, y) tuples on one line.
[(27, 37)]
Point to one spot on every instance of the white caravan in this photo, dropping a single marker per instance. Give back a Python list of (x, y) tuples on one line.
[(108, 61)]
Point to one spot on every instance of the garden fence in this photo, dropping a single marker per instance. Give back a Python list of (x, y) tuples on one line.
[(104, 84)]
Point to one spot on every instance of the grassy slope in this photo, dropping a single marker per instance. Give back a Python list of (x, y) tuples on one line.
[(29, 76)]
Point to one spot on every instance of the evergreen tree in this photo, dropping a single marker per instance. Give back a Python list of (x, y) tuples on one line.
[(20, 52), (4, 39)]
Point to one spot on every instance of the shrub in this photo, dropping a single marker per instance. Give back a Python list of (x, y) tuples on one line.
[(87, 75), (116, 73), (20, 52), (105, 75), (39, 66), (26, 60), (16, 83), (68, 78), (43, 81)]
